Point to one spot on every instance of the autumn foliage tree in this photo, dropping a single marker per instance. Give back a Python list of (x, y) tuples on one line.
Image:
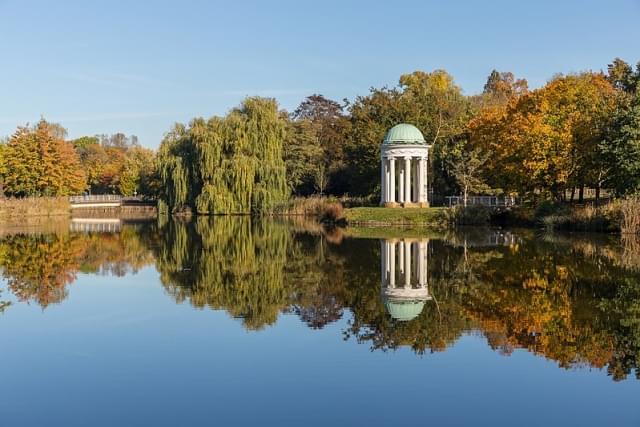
[(38, 162), (546, 141), (117, 164)]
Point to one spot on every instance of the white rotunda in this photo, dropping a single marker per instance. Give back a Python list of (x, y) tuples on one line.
[(404, 159)]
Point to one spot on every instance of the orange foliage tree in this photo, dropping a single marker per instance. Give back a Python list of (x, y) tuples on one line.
[(38, 162)]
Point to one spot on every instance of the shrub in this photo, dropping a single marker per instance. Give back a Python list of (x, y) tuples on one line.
[(548, 208), (332, 212), (605, 218), (470, 215)]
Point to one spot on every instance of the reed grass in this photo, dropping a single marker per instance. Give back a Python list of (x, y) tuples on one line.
[(322, 208), (630, 215), (18, 208)]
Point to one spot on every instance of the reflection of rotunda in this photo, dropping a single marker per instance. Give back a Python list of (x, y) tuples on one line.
[(404, 277)]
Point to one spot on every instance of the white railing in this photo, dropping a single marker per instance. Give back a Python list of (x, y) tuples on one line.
[(96, 198), (482, 201)]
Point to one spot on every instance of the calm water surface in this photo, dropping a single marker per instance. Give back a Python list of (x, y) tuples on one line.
[(231, 322)]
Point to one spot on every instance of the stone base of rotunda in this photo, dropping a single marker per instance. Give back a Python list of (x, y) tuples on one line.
[(410, 205), (415, 205), (390, 204), (405, 204)]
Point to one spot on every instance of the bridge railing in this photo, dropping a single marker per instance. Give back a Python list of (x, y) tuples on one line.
[(95, 198), (482, 201)]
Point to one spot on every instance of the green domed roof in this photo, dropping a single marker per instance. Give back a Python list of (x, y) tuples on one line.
[(404, 310), (404, 134)]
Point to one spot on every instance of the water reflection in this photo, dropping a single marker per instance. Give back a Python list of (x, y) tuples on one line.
[(574, 300), (95, 225), (404, 277), (230, 263), (38, 267)]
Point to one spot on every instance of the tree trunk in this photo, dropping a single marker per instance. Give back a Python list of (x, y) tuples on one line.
[(465, 196), (598, 186), (573, 194), (581, 194)]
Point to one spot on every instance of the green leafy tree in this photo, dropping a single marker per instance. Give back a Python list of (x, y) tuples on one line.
[(83, 142), (622, 76), (620, 150), (430, 101), (302, 154), (137, 171), (328, 129)]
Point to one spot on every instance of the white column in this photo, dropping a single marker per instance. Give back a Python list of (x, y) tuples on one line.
[(421, 264), (421, 180), (383, 180), (407, 265), (392, 264), (417, 195), (401, 175), (416, 260), (407, 176), (401, 256), (426, 179), (392, 180), (383, 262), (414, 181)]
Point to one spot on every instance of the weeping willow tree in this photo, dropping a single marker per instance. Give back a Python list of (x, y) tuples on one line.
[(230, 165)]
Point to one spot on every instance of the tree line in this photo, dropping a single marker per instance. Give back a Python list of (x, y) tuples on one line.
[(578, 131), (38, 160)]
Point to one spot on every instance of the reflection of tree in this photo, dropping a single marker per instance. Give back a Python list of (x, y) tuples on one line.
[(554, 300), (317, 269), (230, 263), (118, 254), (38, 267), (3, 304)]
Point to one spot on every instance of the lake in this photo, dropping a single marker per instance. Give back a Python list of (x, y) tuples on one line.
[(233, 321)]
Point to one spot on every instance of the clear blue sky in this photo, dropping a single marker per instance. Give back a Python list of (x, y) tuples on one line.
[(138, 67)]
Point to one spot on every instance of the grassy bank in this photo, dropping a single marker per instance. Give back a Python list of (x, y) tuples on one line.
[(34, 207), (378, 216)]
